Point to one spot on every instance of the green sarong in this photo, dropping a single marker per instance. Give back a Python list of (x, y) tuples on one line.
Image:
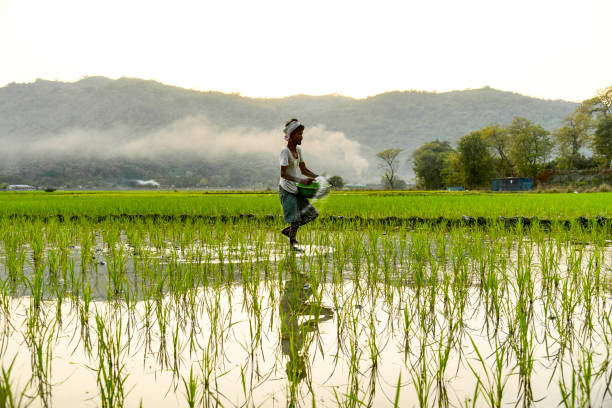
[(296, 208)]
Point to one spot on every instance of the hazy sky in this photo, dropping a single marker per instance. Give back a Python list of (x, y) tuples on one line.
[(545, 48)]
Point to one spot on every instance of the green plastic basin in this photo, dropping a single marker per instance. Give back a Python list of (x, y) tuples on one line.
[(308, 191)]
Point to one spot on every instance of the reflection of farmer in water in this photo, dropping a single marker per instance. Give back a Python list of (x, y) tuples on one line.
[(296, 208), (293, 304)]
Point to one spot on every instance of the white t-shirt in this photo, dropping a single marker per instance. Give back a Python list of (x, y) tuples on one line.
[(293, 168)]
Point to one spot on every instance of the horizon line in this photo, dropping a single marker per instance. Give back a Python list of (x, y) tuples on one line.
[(333, 94)]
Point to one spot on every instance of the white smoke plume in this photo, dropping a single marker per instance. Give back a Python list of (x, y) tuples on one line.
[(323, 150)]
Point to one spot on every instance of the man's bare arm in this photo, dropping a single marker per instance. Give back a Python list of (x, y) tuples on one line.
[(303, 180), (306, 171)]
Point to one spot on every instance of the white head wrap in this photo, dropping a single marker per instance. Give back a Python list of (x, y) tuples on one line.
[(291, 126)]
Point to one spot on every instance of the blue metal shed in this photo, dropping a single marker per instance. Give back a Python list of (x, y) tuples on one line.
[(512, 184)]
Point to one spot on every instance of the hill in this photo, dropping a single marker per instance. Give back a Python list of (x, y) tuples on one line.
[(99, 131)]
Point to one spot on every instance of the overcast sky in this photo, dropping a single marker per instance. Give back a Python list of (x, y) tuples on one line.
[(553, 49)]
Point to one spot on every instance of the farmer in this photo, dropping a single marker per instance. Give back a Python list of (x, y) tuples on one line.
[(296, 209)]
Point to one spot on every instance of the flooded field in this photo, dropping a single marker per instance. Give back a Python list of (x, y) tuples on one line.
[(165, 314)]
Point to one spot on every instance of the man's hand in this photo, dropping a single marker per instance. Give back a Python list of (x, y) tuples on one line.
[(307, 181)]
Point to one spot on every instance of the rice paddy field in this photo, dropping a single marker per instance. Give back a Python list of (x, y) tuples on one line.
[(164, 299)]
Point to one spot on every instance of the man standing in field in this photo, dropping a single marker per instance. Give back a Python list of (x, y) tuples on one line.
[(296, 209)]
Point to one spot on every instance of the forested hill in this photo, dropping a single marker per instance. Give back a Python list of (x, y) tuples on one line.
[(32, 113)]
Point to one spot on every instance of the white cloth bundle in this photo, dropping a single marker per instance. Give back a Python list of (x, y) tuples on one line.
[(291, 126)]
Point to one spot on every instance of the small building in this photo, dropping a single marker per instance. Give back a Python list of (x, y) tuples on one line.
[(20, 187), (457, 188), (512, 184), (355, 186)]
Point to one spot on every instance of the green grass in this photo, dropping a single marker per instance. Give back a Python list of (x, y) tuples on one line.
[(365, 204)]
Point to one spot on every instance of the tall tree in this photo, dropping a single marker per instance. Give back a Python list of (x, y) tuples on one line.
[(390, 165), (451, 170), (600, 106), (599, 110), (572, 137), (530, 146), (336, 182), (499, 142), (475, 160), (428, 162), (602, 141)]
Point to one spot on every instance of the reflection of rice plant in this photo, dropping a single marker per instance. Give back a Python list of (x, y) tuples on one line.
[(84, 314), (493, 389), (568, 393), (421, 380), (191, 389), (39, 339), (9, 397), (111, 375), (585, 378)]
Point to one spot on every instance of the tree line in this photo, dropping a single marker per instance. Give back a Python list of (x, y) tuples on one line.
[(522, 148)]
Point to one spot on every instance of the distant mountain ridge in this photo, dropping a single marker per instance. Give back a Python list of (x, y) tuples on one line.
[(30, 113)]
